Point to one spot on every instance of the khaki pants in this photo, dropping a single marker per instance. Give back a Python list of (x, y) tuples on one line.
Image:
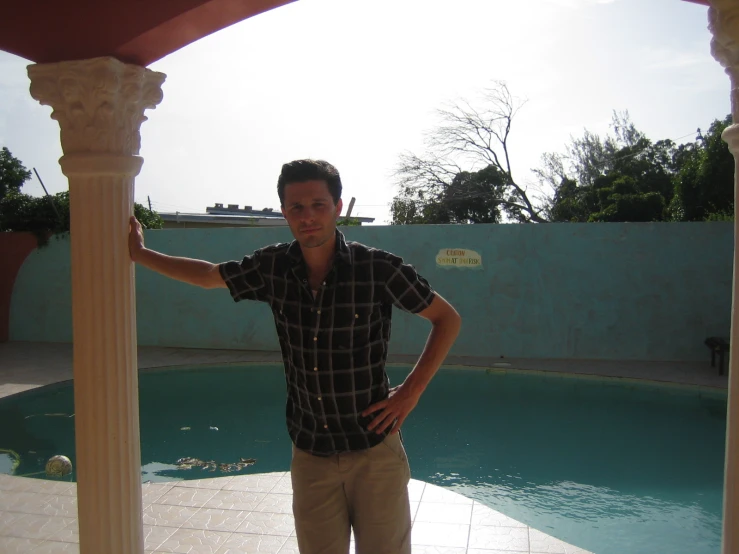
[(365, 490)]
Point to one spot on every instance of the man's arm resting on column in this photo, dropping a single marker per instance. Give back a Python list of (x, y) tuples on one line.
[(446, 323), (195, 272)]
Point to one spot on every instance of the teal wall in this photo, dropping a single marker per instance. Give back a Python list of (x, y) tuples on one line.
[(597, 291)]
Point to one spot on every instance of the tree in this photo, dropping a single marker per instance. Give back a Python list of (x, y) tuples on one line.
[(704, 184), (49, 215), (434, 188), (620, 199), (470, 197), (620, 178), (12, 173), (148, 218), (23, 212), (627, 177), (571, 203), (46, 215)]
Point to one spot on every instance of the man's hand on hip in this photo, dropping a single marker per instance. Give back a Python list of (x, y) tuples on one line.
[(392, 411)]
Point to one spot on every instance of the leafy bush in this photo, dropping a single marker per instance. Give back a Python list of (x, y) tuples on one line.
[(43, 216)]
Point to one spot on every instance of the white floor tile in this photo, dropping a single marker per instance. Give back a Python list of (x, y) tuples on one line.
[(440, 534)]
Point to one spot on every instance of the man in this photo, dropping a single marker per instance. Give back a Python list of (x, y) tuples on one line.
[(332, 303)]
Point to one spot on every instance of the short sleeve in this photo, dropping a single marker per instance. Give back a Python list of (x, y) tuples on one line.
[(405, 288), (244, 279)]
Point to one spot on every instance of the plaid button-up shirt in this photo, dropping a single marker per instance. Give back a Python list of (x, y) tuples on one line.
[(334, 344)]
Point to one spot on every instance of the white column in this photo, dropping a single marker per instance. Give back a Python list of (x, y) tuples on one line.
[(723, 18), (99, 104)]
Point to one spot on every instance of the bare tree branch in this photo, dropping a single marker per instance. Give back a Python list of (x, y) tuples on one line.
[(476, 137)]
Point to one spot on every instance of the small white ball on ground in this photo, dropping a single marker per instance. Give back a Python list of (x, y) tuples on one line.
[(58, 466)]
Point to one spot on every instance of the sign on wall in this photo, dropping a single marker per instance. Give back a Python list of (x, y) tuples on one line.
[(458, 257)]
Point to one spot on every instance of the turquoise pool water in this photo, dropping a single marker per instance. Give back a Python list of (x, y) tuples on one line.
[(610, 467)]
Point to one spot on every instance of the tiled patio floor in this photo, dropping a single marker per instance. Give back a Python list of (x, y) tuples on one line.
[(251, 513)]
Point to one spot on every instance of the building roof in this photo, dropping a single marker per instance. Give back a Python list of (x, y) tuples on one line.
[(232, 215), (233, 209), (223, 220)]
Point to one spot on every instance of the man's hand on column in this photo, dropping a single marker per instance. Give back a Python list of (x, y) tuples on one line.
[(135, 239)]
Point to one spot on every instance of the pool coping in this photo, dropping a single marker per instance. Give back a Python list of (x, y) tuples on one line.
[(25, 365), (685, 388)]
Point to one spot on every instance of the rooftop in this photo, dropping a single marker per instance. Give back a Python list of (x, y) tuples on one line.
[(231, 215)]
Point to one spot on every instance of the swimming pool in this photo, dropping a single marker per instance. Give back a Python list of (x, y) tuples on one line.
[(609, 466)]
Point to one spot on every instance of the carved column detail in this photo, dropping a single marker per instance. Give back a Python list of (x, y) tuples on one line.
[(99, 104), (723, 22)]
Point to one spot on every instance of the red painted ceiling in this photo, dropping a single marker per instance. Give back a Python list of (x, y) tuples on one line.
[(134, 31)]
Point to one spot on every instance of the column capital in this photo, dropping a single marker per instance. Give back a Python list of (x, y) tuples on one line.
[(99, 104), (723, 22)]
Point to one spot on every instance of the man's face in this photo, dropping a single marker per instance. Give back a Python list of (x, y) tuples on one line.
[(310, 212)]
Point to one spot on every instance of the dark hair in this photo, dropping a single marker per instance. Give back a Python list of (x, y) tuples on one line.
[(301, 171)]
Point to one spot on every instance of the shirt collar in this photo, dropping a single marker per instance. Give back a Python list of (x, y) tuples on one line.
[(343, 252)]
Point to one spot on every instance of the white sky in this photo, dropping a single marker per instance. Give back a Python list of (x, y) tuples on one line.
[(357, 82)]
